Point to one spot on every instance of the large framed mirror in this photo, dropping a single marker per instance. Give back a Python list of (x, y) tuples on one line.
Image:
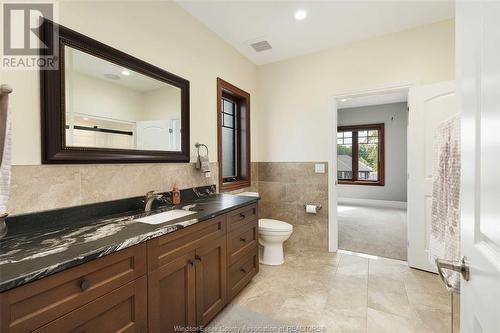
[(101, 105)]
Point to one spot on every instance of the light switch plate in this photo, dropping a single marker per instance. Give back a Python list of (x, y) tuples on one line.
[(319, 168), (208, 174)]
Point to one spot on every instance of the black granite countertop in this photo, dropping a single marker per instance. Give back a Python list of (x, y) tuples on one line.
[(39, 245)]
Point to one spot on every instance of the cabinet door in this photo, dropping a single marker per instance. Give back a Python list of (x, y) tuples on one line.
[(211, 289), (171, 291), (122, 310)]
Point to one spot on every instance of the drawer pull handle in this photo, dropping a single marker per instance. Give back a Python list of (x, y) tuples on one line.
[(243, 239), (199, 258), (84, 285), (242, 215), (192, 263), (243, 270)]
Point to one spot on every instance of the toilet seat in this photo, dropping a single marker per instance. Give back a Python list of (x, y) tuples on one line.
[(270, 225)]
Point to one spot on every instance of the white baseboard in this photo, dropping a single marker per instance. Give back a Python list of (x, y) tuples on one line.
[(372, 203)]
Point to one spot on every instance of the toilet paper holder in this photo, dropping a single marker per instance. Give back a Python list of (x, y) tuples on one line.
[(318, 207)]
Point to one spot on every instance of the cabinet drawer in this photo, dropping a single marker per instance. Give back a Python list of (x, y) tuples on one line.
[(164, 249), (122, 310), (241, 272), (38, 303), (242, 241), (242, 216)]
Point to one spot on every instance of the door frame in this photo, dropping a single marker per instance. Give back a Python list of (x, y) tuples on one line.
[(333, 232)]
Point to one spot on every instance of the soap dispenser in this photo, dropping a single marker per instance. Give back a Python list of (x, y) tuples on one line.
[(176, 195)]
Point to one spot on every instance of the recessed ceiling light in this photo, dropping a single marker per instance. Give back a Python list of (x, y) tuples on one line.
[(300, 14), (85, 118), (343, 100), (125, 72)]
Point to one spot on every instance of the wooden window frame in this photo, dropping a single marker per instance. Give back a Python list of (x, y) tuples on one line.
[(381, 154), (226, 90)]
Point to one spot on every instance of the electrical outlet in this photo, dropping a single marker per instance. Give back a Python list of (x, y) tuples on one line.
[(319, 168), (208, 174)]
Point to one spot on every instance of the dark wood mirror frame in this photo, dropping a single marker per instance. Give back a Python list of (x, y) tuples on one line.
[(54, 150)]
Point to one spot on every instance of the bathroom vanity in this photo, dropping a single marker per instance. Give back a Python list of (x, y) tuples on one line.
[(116, 274)]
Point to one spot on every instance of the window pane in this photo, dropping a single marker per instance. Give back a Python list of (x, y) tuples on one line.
[(344, 157), (228, 120), (367, 161), (362, 139), (228, 160), (340, 134), (227, 107), (362, 133)]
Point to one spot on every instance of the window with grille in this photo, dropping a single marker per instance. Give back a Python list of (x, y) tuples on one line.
[(233, 112), (360, 154)]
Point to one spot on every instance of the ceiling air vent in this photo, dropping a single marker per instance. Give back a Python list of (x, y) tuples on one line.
[(261, 46)]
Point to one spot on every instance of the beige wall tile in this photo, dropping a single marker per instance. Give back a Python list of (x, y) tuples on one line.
[(36, 188), (272, 191), (42, 187), (285, 187)]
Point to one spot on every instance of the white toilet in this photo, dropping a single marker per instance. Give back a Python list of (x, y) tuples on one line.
[(272, 235)]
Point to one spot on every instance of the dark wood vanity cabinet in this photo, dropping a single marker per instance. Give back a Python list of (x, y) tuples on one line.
[(211, 290), (172, 295), (187, 279), (79, 296), (181, 279)]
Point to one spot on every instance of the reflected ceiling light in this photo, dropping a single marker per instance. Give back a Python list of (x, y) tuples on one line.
[(300, 14), (111, 76), (343, 100), (125, 72)]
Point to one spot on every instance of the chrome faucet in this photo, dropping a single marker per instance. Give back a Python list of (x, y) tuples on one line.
[(150, 197)]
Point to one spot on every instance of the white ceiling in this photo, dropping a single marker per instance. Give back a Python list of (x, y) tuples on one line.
[(96, 67), (328, 23), (373, 99)]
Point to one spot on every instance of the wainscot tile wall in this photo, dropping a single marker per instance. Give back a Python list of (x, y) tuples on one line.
[(42, 187), (285, 187)]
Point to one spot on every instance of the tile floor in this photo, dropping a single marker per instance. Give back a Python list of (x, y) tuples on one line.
[(348, 293), (373, 230)]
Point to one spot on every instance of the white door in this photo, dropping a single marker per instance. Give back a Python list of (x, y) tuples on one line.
[(428, 106), (478, 83), (154, 135)]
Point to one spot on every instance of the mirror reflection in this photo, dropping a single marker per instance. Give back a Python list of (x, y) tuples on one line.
[(109, 106)]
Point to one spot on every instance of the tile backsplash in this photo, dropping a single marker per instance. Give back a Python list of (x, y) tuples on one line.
[(284, 188), (42, 187)]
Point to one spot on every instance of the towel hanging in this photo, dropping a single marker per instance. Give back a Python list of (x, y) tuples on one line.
[(202, 162)]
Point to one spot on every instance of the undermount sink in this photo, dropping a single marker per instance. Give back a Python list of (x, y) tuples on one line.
[(165, 216)]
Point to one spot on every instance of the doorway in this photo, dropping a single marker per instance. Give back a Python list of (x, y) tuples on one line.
[(372, 173)]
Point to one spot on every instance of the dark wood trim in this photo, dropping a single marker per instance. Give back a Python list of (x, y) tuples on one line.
[(244, 169), (381, 154), (54, 149)]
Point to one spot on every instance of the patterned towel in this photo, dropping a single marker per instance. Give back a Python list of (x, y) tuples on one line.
[(444, 242), (5, 133)]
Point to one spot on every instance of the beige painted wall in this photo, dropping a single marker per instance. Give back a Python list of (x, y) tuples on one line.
[(96, 97), (289, 121), (162, 103), (164, 35), (296, 95)]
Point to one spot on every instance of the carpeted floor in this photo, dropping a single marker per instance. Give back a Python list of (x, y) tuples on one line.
[(373, 230)]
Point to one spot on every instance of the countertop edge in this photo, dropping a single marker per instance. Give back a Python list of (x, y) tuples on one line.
[(109, 249)]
